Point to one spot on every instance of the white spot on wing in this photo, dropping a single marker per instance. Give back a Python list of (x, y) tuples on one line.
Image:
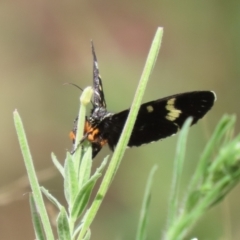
[(150, 108), (174, 113)]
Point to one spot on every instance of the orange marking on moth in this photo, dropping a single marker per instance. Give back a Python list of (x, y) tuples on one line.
[(91, 134), (72, 136), (103, 142)]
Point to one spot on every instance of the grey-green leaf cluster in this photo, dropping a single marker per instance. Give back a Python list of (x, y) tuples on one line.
[(217, 172)]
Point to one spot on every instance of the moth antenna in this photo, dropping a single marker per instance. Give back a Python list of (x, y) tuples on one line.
[(75, 85)]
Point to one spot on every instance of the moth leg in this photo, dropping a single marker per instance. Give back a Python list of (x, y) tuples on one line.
[(80, 143)]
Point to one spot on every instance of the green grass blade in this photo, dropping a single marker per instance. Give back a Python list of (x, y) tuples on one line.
[(32, 175), (225, 124), (37, 225), (177, 172), (123, 141), (142, 226)]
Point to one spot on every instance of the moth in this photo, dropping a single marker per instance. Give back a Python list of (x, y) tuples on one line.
[(156, 119)]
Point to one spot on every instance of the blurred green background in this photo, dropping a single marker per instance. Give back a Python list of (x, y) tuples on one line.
[(44, 44)]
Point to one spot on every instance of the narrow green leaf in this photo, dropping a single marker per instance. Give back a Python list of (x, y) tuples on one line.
[(124, 138), (85, 168), (83, 196), (177, 172), (63, 226), (142, 225), (78, 228), (221, 175), (57, 164), (70, 180), (102, 166), (51, 198), (84, 193), (39, 232), (88, 235), (32, 176), (225, 124)]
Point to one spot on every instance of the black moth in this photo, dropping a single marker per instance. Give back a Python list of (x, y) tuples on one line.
[(156, 119)]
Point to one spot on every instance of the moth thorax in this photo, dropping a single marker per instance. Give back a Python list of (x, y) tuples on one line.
[(98, 114)]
